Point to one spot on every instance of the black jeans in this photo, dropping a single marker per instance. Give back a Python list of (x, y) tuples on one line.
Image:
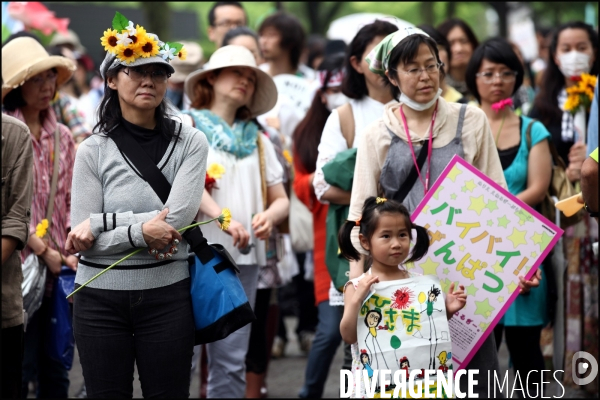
[(523, 344), (12, 359), (256, 358), (152, 328)]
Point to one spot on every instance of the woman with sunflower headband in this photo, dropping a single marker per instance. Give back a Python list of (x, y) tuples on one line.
[(226, 98), (138, 312), (386, 161)]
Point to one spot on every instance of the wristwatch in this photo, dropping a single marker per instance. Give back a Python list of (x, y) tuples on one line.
[(592, 213)]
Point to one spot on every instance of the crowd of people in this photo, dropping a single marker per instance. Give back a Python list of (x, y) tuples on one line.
[(316, 140)]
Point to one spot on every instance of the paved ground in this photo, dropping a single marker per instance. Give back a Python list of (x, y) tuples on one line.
[(287, 375)]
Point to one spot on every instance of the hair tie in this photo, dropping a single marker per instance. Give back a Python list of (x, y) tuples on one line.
[(357, 222), (380, 200)]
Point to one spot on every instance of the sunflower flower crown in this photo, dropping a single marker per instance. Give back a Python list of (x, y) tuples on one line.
[(129, 42)]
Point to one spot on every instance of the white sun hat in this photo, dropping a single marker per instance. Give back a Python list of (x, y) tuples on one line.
[(265, 92)]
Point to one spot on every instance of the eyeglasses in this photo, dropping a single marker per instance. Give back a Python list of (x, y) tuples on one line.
[(229, 24), (416, 72), (136, 74), (505, 76), (40, 80)]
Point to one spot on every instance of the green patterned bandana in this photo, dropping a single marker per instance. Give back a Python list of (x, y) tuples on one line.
[(379, 57)]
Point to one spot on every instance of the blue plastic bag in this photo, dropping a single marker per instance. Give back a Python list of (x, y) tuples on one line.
[(60, 342), (219, 302)]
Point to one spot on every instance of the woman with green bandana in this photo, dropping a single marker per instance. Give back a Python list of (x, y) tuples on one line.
[(386, 161)]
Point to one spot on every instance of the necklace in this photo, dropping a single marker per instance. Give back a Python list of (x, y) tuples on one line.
[(500, 130), (430, 145)]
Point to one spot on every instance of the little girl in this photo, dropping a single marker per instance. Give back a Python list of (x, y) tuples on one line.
[(385, 232)]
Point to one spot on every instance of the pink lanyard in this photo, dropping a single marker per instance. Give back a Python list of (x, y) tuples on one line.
[(412, 150)]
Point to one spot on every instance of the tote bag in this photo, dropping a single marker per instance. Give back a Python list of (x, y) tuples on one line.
[(219, 302)]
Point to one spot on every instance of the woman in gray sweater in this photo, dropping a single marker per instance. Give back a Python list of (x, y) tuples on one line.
[(139, 311)]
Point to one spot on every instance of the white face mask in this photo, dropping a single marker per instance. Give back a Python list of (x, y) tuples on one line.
[(574, 63), (404, 99), (335, 100)]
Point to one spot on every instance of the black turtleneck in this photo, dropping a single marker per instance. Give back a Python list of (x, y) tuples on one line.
[(151, 140)]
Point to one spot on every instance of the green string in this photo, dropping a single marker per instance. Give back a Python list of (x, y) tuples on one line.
[(500, 130)]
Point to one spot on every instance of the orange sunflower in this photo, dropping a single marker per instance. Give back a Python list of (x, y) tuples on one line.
[(109, 40)]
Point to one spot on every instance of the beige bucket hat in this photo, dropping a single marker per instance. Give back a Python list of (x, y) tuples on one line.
[(265, 93), (60, 39), (24, 57), (185, 67)]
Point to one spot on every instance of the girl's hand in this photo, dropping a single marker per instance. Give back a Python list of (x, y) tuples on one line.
[(526, 286), (364, 286), (239, 234), (80, 238), (455, 300), (262, 225)]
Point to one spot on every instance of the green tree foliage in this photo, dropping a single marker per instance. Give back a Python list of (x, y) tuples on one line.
[(316, 16)]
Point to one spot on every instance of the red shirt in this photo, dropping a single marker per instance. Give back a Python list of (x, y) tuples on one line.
[(306, 195)]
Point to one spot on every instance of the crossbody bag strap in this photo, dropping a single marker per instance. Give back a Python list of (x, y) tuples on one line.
[(54, 183), (413, 174), (161, 186), (263, 169), (142, 162), (528, 134), (555, 157)]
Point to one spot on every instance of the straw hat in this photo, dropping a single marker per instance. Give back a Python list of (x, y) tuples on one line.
[(185, 67), (265, 93), (24, 57)]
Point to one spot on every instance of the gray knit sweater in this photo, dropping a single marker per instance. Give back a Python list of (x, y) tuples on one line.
[(117, 200)]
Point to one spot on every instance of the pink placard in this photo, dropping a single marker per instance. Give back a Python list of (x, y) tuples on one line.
[(477, 229)]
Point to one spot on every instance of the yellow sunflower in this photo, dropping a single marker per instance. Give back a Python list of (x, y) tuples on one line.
[(572, 103), (182, 55), (41, 228), (148, 47), (225, 219), (139, 38), (215, 170), (127, 54), (109, 40)]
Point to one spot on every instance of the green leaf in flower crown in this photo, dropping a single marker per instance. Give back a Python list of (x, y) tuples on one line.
[(120, 22), (176, 46)]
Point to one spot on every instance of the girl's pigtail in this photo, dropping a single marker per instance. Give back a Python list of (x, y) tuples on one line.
[(421, 244), (346, 247)]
